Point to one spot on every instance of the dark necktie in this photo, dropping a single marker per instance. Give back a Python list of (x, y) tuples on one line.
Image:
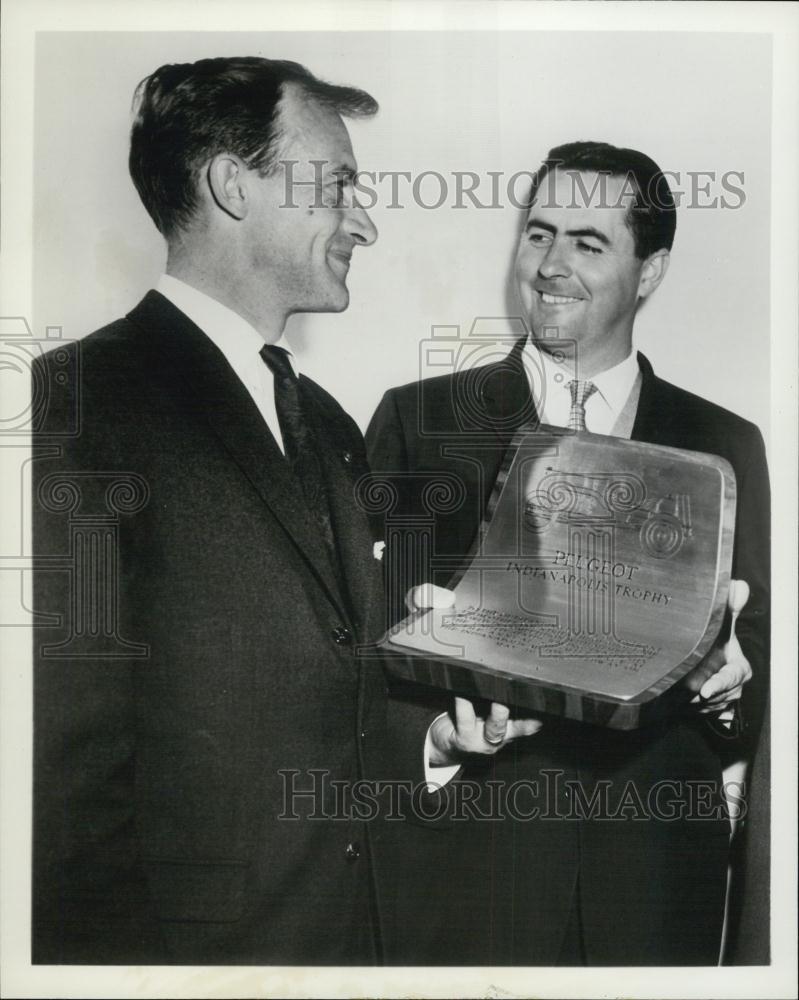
[(302, 452)]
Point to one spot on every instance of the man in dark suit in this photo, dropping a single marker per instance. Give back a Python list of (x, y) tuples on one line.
[(204, 578), (569, 888)]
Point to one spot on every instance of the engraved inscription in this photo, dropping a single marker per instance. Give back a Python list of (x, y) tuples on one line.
[(603, 650), (512, 631), (504, 629), (589, 583)]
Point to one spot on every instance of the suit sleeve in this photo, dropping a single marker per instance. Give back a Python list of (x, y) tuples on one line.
[(390, 459), (90, 899), (388, 455), (751, 562), (385, 440)]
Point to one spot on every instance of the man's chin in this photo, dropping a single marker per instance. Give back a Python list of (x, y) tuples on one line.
[(548, 330), (334, 298), (335, 302), (340, 301)]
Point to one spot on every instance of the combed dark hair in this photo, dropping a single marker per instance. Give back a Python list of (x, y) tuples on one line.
[(187, 113), (652, 218)]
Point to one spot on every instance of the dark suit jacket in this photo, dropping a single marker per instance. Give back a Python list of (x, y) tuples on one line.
[(163, 827), (647, 891)]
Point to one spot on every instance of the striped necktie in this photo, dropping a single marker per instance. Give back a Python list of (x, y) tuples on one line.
[(580, 392)]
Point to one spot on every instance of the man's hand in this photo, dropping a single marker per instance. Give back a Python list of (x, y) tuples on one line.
[(468, 733), (428, 595), (471, 734), (725, 669)]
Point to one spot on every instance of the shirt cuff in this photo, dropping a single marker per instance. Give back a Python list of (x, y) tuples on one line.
[(436, 777), (727, 724)]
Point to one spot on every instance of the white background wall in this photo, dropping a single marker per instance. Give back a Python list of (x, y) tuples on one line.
[(479, 101)]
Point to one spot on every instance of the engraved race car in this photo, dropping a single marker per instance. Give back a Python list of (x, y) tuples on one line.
[(604, 499)]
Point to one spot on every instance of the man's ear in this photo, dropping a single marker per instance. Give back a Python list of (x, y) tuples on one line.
[(653, 272), (227, 183)]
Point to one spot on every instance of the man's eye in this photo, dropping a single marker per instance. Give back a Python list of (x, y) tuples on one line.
[(588, 247), (334, 191), (338, 189), (539, 239)]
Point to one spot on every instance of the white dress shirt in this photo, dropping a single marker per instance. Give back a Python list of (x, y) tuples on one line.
[(236, 339), (549, 380)]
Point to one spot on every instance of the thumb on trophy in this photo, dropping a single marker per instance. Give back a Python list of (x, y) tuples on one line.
[(737, 597)]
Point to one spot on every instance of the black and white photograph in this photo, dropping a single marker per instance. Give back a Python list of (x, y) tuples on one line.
[(399, 443)]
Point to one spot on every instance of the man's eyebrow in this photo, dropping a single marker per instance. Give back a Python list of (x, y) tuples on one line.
[(597, 234), (590, 231), (345, 171), (534, 223)]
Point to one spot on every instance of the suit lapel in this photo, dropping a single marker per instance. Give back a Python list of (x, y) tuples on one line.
[(653, 421), (505, 403), (218, 397), (504, 394), (350, 526)]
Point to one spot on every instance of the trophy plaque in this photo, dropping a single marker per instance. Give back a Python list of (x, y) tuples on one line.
[(598, 581)]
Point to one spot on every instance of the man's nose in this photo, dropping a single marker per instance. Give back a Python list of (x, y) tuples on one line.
[(556, 262), (360, 226)]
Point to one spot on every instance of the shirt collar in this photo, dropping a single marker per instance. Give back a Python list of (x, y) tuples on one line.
[(614, 384), (237, 339)]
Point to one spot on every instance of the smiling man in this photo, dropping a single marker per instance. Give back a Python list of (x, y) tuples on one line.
[(199, 673), (556, 882), (581, 269)]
